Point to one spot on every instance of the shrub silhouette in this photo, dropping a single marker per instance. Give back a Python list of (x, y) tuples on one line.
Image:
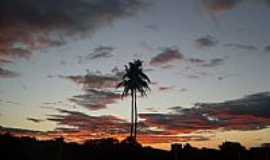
[(28, 148)]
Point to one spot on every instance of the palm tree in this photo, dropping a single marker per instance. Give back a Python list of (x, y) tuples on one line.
[(134, 80)]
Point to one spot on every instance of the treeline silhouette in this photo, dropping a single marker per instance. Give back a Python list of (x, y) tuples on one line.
[(29, 148)]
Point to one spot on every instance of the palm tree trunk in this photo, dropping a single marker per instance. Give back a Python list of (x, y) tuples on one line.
[(136, 113), (132, 114)]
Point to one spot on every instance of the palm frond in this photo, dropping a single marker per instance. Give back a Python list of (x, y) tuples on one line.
[(121, 84), (134, 79), (144, 76)]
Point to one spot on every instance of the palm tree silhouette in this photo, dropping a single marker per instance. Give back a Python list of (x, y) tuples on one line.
[(134, 80)]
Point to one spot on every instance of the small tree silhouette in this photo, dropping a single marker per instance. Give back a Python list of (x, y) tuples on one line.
[(134, 80)]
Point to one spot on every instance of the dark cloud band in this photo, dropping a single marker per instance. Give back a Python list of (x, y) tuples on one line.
[(25, 26), (249, 113)]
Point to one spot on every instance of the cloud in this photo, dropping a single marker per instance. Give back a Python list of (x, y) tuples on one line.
[(98, 126), (9, 102), (220, 5), (166, 88), (95, 132), (267, 48), (93, 80), (169, 55), (4, 73), (206, 41), (222, 77), (152, 27), (5, 61), (101, 52), (174, 123), (255, 104), (151, 109), (183, 90), (18, 131), (95, 99), (214, 62), (241, 46), (248, 113), (15, 53), (95, 125), (35, 120), (41, 24), (203, 63), (193, 76), (251, 112), (99, 89), (196, 61), (167, 66), (206, 63), (152, 139)]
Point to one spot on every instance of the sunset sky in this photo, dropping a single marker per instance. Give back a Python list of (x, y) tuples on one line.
[(208, 61)]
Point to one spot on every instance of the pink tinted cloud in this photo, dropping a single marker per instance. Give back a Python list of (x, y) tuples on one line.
[(169, 55)]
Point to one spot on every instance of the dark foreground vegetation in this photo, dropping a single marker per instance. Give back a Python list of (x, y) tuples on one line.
[(27, 148)]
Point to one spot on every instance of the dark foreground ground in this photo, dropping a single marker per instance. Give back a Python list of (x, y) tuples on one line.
[(26, 148)]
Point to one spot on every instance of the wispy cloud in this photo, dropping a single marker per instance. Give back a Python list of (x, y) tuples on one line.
[(241, 46), (95, 99), (97, 125), (94, 80), (5, 61), (214, 62), (165, 88), (152, 139), (168, 58), (98, 89), (196, 61), (169, 55), (5, 73), (9, 102), (15, 53), (101, 52), (18, 131), (35, 120), (152, 27), (206, 63), (206, 41), (110, 126)]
